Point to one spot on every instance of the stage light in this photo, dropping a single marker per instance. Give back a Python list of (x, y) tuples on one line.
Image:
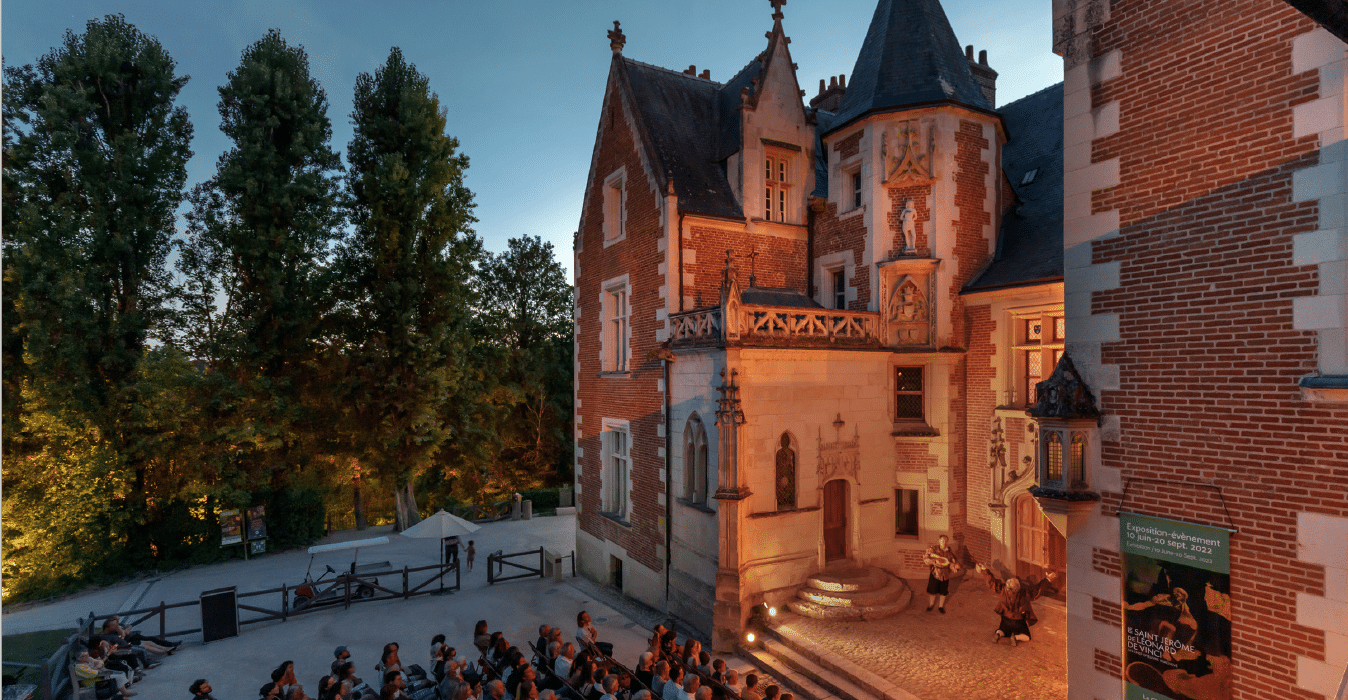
[(749, 637), (772, 612)]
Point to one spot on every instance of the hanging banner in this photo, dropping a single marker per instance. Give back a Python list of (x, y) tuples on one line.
[(1176, 609)]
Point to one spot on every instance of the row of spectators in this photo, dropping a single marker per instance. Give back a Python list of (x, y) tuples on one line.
[(112, 661), (559, 669)]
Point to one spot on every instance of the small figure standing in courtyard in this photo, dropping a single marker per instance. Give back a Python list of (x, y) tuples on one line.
[(1013, 604), (944, 566), (470, 552)]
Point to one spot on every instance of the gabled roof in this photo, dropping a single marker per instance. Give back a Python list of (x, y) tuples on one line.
[(1030, 242), (678, 114), (910, 57)]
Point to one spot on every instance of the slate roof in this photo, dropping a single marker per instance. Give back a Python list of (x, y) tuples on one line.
[(910, 56), (680, 117), (823, 122), (730, 136), (1030, 242), (773, 296)]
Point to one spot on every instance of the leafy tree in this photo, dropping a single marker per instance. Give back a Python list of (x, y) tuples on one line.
[(526, 299), (512, 426), (95, 163), (408, 263), (527, 306), (259, 233)]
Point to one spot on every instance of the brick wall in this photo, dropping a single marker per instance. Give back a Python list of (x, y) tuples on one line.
[(971, 199), (978, 378), (1207, 354), (637, 397), (834, 235), (780, 262)]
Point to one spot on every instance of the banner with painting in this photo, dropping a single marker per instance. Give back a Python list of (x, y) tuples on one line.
[(1176, 609)]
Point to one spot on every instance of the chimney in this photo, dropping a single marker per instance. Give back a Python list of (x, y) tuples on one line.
[(706, 74), (984, 75), (692, 70), (830, 98)]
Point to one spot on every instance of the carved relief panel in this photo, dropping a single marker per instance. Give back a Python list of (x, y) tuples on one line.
[(908, 153), (908, 294), (841, 459)]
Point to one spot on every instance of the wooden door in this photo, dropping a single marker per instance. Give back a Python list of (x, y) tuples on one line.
[(835, 520), (1040, 548)]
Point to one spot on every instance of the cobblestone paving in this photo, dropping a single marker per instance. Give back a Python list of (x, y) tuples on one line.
[(953, 656)]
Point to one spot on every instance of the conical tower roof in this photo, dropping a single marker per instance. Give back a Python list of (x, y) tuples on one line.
[(910, 57)]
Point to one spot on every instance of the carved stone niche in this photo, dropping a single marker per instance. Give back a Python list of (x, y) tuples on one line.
[(908, 302)]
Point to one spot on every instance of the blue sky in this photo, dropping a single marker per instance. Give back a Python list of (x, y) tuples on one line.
[(522, 79)]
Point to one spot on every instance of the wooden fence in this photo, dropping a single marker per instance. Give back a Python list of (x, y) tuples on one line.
[(54, 681)]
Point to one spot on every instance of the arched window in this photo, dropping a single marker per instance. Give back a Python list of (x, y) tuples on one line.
[(1053, 458), (695, 460), (786, 475), (1077, 473)]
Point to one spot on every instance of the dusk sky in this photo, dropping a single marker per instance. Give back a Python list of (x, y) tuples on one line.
[(522, 80)]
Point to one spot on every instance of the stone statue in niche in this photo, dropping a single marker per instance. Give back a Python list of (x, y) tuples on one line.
[(786, 475), (908, 225)]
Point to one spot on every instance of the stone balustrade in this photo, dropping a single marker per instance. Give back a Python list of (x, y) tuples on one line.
[(775, 325)]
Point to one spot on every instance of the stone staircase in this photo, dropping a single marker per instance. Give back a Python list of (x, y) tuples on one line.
[(852, 593), (812, 672)]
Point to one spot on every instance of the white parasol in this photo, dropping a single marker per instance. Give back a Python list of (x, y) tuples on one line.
[(441, 526)]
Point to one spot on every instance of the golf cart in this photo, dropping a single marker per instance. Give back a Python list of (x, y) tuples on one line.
[(310, 594)]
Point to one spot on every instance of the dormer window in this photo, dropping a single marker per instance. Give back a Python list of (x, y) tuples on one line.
[(1029, 177), (778, 178)]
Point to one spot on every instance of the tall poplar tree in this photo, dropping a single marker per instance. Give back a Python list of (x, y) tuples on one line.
[(408, 264), (259, 233), (95, 163)]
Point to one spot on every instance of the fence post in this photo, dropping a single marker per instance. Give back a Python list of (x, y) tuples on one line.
[(404, 582), (540, 562), (573, 563), (45, 680), (458, 583), (162, 614), (285, 603), (347, 598), (491, 560)]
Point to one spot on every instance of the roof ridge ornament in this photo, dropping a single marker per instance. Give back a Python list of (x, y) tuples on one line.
[(616, 38), (777, 9)]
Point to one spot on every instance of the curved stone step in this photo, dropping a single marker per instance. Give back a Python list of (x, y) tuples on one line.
[(848, 580), (891, 592), (862, 612)]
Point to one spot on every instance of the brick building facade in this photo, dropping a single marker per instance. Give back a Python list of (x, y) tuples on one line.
[(806, 335), (1206, 257)]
